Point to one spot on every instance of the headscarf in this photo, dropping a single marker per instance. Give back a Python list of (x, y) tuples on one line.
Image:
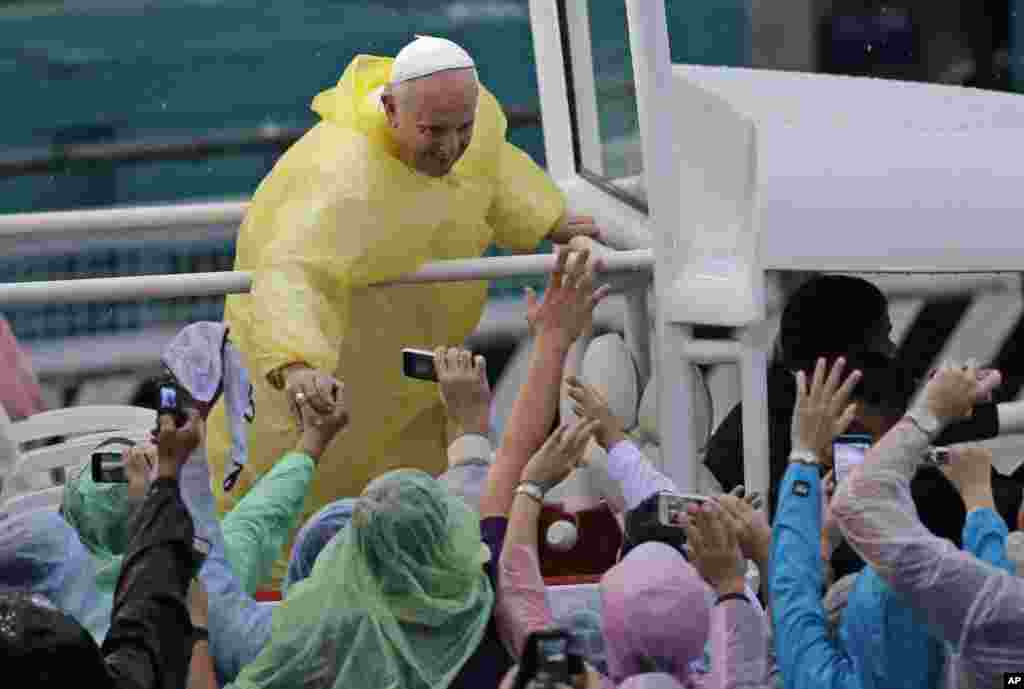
[(889, 643), (41, 553), (313, 537), (46, 647), (651, 681), (397, 599), (656, 613), (19, 388), (203, 360)]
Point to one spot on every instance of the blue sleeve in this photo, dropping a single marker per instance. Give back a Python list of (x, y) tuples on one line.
[(985, 536), (807, 656)]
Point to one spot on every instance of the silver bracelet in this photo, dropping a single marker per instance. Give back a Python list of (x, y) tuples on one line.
[(532, 490), (804, 457)]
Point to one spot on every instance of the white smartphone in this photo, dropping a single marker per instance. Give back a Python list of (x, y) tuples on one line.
[(672, 507), (848, 451)]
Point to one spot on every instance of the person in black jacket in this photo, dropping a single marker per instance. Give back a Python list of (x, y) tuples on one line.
[(148, 645), (831, 316)]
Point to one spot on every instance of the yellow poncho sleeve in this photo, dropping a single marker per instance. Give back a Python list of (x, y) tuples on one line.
[(527, 204)]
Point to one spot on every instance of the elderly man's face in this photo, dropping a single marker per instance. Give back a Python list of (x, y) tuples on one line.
[(432, 119)]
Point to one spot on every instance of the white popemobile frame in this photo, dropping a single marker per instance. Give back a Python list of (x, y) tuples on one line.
[(745, 171)]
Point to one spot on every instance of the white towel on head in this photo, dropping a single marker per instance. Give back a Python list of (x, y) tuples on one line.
[(202, 360)]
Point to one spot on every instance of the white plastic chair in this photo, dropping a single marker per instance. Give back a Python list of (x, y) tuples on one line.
[(88, 427)]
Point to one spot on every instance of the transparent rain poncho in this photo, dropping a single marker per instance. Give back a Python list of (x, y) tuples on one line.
[(397, 600), (41, 553)]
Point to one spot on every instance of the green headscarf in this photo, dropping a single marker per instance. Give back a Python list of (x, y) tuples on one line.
[(100, 513), (399, 600)]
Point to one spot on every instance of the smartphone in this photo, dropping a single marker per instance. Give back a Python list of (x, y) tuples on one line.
[(108, 467), (173, 400), (672, 508), (546, 659), (848, 451), (419, 364)]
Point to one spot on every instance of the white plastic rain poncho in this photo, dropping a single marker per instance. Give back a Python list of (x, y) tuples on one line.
[(398, 599), (41, 553), (338, 212)]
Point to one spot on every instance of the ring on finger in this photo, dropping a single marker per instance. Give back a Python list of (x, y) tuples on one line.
[(300, 396)]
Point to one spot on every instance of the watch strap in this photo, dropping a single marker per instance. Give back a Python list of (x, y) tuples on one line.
[(200, 634), (925, 422), (732, 596)]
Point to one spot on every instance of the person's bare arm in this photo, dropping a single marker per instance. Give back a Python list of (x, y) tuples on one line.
[(201, 673), (556, 322)]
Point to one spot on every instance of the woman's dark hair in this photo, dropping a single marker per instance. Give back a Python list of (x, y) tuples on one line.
[(939, 504), (828, 316)]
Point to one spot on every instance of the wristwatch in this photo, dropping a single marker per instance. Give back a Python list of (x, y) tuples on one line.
[(532, 490), (200, 634), (732, 596), (938, 456), (804, 457), (925, 422)]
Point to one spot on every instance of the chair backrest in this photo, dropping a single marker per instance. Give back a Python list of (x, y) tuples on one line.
[(82, 420), (73, 453), (48, 498)]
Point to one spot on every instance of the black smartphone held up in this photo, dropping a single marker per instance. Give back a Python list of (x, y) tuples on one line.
[(672, 508), (848, 451), (173, 400), (108, 467), (419, 364), (547, 660)]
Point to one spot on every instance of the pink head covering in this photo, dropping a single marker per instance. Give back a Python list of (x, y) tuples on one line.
[(19, 389), (656, 613), (652, 681)]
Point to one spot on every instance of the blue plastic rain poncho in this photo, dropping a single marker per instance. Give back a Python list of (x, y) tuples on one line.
[(397, 599), (882, 642), (340, 211), (41, 553), (313, 537)]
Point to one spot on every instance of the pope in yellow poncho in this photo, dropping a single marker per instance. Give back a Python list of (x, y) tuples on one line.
[(370, 193)]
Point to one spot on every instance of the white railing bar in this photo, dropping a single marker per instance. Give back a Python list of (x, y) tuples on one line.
[(516, 266), (73, 223), (712, 351), (922, 285), (136, 288)]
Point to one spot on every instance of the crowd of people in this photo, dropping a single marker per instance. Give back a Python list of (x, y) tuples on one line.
[(409, 572), (436, 582)]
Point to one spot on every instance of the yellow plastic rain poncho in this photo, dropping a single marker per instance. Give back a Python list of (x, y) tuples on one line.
[(340, 211)]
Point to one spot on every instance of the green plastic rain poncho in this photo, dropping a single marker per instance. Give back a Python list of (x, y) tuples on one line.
[(338, 212), (101, 514), (399, 600)]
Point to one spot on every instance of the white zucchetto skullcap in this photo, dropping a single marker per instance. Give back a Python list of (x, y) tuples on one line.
[(428, 55)]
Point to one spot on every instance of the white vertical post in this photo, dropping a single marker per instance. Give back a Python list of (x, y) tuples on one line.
[(554, 94), (652, 70), (584, 84), (754, 388), (638, 331), (8, 452)]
